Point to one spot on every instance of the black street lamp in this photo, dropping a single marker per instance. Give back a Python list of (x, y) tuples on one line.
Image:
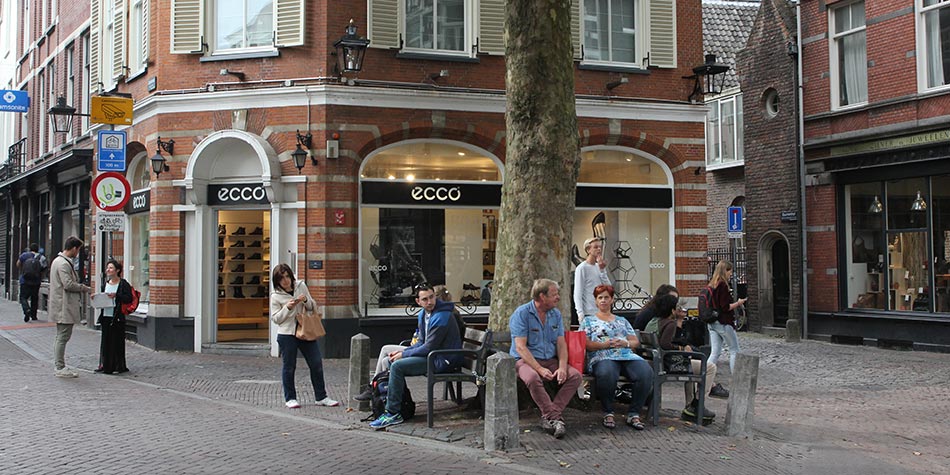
[(349, 50), (159, 164), (61, 115), (710, 77)]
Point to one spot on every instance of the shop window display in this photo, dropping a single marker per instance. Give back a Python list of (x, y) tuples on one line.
[(866, 251)]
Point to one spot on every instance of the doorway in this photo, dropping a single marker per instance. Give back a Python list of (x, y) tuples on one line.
[(243, 277), (780, 282)]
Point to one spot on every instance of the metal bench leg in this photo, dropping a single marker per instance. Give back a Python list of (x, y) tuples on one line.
[(657, 401), (429, 391)]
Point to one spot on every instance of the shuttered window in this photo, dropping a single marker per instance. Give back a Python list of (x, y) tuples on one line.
[(216, 26), (92, 52), (662, 31), (491, 26), (118, 39), (613, 31), (430, 26), (383, 24), (138, 36)]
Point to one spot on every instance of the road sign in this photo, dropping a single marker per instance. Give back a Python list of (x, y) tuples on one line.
[(111, 151), (110, 110), (110, 221), (110, 191), (14, 101), (734, 224)]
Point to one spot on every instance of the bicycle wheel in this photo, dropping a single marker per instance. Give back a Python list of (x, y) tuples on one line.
[(741, 318)]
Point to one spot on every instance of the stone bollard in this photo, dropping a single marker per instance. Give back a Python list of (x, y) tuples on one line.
[(741, 407), (359, 371), (793, 330), (501, 403)]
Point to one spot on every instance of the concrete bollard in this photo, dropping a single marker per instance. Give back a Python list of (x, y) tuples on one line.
[(501, 403), (741, 407), (359, 371), (793, 330)]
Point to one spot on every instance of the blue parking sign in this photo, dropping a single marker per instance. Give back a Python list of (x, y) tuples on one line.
[(14, 101), (734, 224), (111, 151)]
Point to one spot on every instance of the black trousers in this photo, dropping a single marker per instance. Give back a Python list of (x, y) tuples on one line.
[(112, 346), (29, 299)]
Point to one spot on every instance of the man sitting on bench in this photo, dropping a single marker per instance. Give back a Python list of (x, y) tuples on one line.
[(437, 331)]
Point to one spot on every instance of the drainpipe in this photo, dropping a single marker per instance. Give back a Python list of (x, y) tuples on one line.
[(800, 144)]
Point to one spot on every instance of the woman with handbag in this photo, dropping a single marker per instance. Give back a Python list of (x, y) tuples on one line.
[(112, 321), (610, 343), (723, 329), (288, 303)]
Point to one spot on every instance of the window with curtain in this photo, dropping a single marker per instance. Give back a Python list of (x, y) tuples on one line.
[(936, 24), (243, 24), (610, 28), (849, 43), (436, 25)]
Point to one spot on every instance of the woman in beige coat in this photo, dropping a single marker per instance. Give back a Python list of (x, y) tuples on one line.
[(65, 301)]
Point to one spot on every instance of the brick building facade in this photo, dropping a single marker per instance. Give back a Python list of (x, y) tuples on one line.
[(407, 160)]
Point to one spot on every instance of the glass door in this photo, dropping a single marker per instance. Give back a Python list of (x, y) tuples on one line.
[(243, 279)]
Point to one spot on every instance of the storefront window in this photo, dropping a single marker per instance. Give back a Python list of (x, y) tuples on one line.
[(865, 254), (137, 264), (940, 209), (907, 245)]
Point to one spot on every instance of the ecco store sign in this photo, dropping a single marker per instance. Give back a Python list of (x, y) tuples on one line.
[(432, 193), (140, 202), (236, 194)]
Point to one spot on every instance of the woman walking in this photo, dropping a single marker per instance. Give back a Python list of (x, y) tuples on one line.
[(289, 298), (112, 321), (723, 329)]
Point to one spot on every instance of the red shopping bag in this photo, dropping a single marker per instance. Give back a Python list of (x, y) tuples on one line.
[(576, 349)]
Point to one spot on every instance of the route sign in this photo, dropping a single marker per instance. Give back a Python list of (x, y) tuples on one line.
[(110, 110), (734, 226), (110, 191), (110, 221), (14, 101), (111, 151)]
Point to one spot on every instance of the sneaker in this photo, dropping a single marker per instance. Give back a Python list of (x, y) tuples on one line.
[(328, 402), (366, 395), (719, 391), (559, 428), (66, 373), (292, 404), (689, 412), (386, 420), (26, 318), (547, 425)]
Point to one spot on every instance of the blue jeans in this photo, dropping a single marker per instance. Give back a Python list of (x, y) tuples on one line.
[(398, 370), (717, 333), (607, 373), (289, 345)]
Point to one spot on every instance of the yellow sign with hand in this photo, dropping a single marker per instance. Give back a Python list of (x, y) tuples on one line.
[(111, 110)]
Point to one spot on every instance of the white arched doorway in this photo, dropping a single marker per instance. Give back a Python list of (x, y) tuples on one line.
[(239, 212)]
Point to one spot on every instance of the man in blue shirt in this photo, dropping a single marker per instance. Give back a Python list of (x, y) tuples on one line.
[(30, 281), (537, 332), (437, 331)]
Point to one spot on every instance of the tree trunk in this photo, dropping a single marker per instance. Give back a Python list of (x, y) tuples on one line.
[(542, 156)]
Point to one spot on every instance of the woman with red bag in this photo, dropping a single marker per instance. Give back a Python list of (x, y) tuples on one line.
[(112, 321), (610, 343)]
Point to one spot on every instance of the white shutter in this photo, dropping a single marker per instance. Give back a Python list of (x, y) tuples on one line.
[(289, 22), (383, 24), (118, 40), (663, 33), (576, 27), (491, 26), (145, 29), (95, 10), (187, 26)]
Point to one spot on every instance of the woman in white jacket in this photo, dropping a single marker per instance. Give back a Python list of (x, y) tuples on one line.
[(288, 298)]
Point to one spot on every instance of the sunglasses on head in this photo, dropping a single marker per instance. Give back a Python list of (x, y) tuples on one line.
[(418, 287)]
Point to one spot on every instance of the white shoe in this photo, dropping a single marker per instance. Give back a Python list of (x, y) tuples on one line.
[(66, 373), (292, 404), (327, 402)]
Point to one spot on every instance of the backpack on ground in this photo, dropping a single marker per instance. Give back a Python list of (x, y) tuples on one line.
[(128, 308), (380, 386), (33, 269), (707, 313)]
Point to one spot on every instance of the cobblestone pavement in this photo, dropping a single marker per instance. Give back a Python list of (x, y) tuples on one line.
[(820, 409)]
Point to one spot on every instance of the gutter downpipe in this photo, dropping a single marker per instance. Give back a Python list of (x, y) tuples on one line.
[(801, 166)]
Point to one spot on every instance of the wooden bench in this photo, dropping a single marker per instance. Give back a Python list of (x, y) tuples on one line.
[(476, 346)]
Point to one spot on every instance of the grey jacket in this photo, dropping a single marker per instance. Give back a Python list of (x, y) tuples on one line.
[(65, 291)]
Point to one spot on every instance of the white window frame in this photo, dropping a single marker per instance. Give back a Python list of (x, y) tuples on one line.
[(41, 93), (833, 39), (923, 59), (71, 82), (135, 45), (714, 158), (107, 45), (212, 38), (84, 86), (640, 34), (51, 99), (468, 39)]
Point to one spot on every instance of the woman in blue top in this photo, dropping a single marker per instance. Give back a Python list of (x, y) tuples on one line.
[(610, 343)]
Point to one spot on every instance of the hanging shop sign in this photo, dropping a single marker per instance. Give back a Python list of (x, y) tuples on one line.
[(110, 191), (237, 194), (14, 101), (140, 202)]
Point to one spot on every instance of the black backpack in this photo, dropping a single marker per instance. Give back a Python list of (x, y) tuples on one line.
[(380, 386), (33, 269), (707, 313)]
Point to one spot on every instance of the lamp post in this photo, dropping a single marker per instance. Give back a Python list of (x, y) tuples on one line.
[(349, 50), (159, 163), (61, 116)]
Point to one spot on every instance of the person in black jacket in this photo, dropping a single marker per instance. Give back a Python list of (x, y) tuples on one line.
[(648, 312), (112, 321)]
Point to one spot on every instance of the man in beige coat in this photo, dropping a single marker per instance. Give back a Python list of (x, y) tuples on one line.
[(65, 302)]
